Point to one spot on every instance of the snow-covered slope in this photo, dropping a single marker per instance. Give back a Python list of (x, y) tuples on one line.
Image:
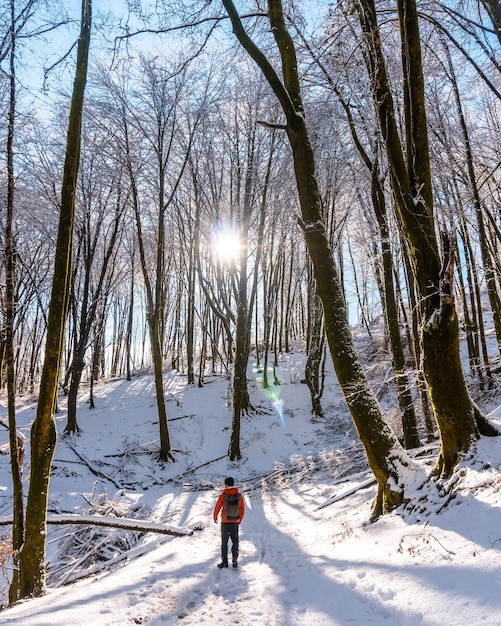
[(307, 556)]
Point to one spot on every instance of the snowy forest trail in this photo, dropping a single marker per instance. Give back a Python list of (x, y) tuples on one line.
[(308, 555), (287, 570), (284, 578)]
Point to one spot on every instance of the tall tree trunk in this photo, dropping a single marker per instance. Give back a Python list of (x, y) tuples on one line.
[(314, 349), (194, 262), (451, 402), (153, 315), (266, 322), (93, 369), (190, 320), (387, 289), (153, 304), (386, 457), (289, 300), (16, 444), (43, 433), (90, 300), (240, 391), (413, 339), (72, 426), (477, 321), (487, 261), (130, 318), (405, 401)]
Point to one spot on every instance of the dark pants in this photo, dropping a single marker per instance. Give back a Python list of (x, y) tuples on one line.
[(229, 529)]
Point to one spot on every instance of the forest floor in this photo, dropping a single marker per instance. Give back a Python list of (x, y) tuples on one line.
[(308, 553)]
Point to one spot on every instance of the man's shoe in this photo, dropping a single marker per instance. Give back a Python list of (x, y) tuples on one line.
[(235, 564), (222, 565)]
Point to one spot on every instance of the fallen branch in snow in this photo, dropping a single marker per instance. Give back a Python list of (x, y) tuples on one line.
[(77, 574), (181, 417), (423, 452), (292, 473), (92, 469), (335, 463), (108, 533), (347, 492), (192, 470), (112, 522)]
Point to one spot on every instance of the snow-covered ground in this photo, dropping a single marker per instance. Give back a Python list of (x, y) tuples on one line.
[(308, 555)]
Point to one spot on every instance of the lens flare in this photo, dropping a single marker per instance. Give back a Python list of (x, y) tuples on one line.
[(272, 393), (279, 406)]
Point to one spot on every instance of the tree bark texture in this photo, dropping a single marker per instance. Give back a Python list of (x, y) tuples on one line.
[(315, 349), (43, 433), (411, 183)]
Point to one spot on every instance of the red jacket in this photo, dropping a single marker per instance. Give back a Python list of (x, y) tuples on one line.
[(220, 504)]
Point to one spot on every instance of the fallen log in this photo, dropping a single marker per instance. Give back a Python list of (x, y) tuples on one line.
[(141, 526)]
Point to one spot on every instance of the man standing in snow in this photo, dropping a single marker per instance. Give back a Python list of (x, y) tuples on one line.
[(231, 505)]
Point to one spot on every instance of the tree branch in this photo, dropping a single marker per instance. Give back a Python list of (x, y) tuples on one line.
[(271, 125), (260, 59)]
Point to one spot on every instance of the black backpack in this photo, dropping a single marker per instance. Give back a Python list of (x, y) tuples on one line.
[(231, 508)]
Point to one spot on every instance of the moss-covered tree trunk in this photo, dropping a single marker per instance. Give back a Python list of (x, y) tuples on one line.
[(314, 349), (43, 433), (451, 401), (385, 454), (412, 188)]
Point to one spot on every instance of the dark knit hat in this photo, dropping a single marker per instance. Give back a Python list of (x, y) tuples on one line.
[(229, 482)]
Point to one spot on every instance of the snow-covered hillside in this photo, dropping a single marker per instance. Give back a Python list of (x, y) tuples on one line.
[(308, 554)]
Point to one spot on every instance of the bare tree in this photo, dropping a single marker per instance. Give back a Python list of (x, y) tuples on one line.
[(17, 21), (43, 436), (411, 182), (386, 457), (97, 239)]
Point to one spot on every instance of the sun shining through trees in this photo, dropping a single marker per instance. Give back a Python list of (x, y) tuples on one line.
[(226, 243)]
